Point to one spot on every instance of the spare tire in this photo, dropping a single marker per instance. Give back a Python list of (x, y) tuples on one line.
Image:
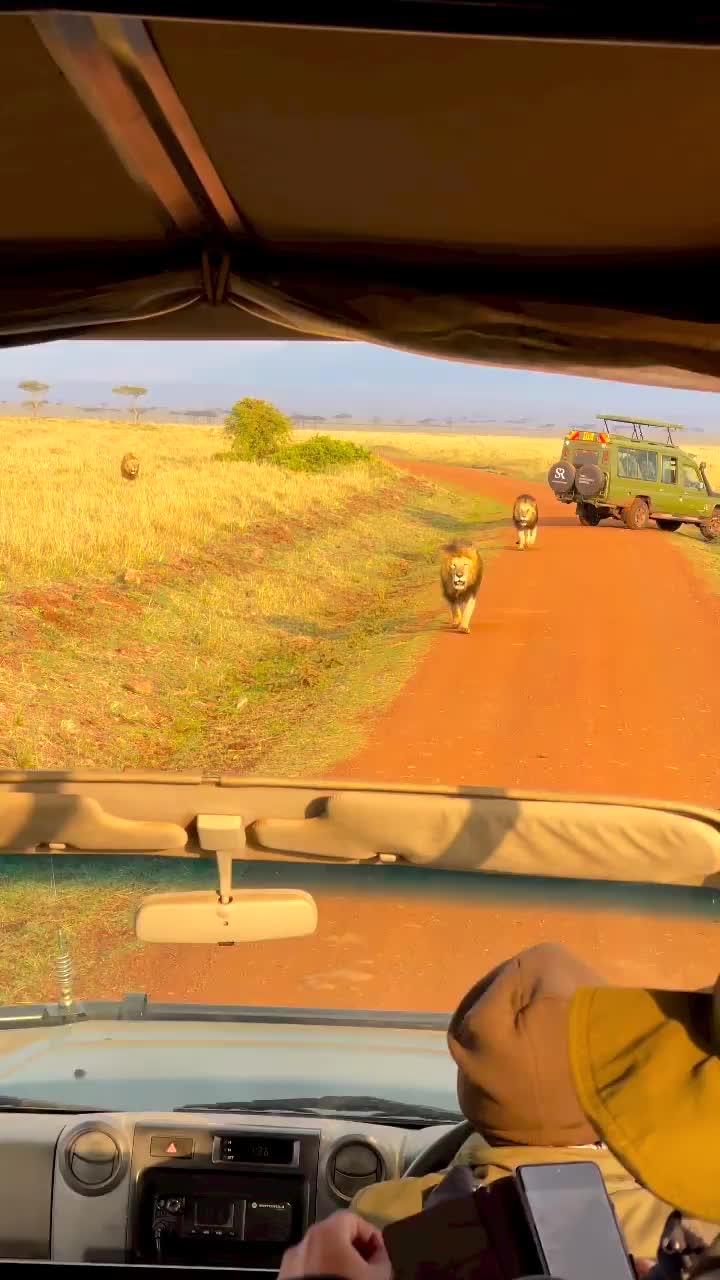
[(589, 480), (561, 477)]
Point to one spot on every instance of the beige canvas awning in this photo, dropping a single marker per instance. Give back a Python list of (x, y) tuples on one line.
[(542, 203)]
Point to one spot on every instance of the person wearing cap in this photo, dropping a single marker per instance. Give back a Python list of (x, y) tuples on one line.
[(510, 1039), (646, 1069)]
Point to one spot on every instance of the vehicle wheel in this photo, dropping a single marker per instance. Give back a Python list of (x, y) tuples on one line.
[(561, 478), (669, 526), (588, 514), (637, 514), (710, 529)]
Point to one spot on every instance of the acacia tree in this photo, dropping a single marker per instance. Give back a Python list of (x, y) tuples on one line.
[(35, 392), (127, 390)]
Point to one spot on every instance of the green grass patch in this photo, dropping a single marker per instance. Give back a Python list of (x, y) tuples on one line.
[(704, 556), (221, 669)]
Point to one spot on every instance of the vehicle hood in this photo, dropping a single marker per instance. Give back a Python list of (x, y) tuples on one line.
[(159, 1066)]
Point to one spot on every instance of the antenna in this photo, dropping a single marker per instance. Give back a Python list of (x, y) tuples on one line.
[(64, 969), (63, 963)]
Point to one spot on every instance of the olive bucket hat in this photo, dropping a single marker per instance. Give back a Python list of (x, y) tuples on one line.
[(646, 1068)]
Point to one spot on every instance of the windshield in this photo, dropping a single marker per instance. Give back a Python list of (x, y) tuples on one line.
[(329, 577)]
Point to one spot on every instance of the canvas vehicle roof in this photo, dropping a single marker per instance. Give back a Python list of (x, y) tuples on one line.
[(478, 182)]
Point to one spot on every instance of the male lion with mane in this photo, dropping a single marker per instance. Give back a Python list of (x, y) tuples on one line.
[(461, 571), (129, 467), (525, 518)]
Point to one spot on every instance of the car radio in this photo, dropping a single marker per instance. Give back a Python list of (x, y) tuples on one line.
[(250, 1220), (237, 1199)]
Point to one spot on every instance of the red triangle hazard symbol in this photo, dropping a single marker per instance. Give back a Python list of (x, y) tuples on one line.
[(171, 1150)]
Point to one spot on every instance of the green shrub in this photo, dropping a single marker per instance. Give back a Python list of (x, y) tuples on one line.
[(319, 453), (258, 430)]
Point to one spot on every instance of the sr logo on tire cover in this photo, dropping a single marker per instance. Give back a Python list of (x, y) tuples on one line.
[(561, 477)]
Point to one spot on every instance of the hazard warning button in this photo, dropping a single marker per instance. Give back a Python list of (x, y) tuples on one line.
[(172, 1146)]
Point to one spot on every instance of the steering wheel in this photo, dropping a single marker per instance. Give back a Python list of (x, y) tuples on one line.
[(441, 1152)]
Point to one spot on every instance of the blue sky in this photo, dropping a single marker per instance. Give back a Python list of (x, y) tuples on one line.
[(329, 378)]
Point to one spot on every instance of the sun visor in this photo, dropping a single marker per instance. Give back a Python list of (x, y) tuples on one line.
[(587, 841)]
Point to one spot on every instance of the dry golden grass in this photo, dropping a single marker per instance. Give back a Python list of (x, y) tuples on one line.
[(66, 513)]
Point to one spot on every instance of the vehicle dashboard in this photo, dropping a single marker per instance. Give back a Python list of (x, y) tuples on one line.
[(200, 1189)]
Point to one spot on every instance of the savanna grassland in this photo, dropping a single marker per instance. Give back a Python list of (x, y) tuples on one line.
[(207, 614)]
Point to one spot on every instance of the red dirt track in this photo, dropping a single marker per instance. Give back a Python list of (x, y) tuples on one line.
[(591, 666)]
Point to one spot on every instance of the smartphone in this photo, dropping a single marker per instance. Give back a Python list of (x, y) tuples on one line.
[(573, 1221)]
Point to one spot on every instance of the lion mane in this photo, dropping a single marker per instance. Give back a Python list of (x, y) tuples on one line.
[(129, 467), (455, 551), (522, 517)]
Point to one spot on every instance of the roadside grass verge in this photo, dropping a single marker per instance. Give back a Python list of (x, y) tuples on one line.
[(237, 667), (704, 556), (305, 600)]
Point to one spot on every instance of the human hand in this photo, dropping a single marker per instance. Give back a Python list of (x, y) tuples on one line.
[(342, 1245)]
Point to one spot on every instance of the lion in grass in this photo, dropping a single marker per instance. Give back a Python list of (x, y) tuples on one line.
[(461, 572), (130, 467), (525, 517)]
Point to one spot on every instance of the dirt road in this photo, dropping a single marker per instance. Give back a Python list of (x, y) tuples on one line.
[(591, 666)]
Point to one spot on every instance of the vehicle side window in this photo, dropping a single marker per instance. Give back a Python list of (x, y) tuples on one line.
[(638, 464), (669, 470), (691, 479)]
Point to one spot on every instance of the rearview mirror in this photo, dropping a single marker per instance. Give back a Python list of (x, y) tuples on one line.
[(252, 915)]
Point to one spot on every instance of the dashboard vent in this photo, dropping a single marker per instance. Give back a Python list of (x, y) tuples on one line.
[(93, 1161), (354, 1163)]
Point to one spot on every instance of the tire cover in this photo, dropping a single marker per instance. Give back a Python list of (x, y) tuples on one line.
[(589, 480), (561, 477)]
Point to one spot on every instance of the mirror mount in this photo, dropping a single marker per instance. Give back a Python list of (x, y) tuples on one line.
[(224, 835)]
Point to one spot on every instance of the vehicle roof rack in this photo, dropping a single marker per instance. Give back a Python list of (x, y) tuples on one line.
[(637, 425)]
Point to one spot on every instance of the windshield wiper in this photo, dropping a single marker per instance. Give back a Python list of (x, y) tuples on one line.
[(377, 1110), (10, 1102)]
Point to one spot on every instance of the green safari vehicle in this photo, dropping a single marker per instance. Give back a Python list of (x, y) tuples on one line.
[(629, 478)]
